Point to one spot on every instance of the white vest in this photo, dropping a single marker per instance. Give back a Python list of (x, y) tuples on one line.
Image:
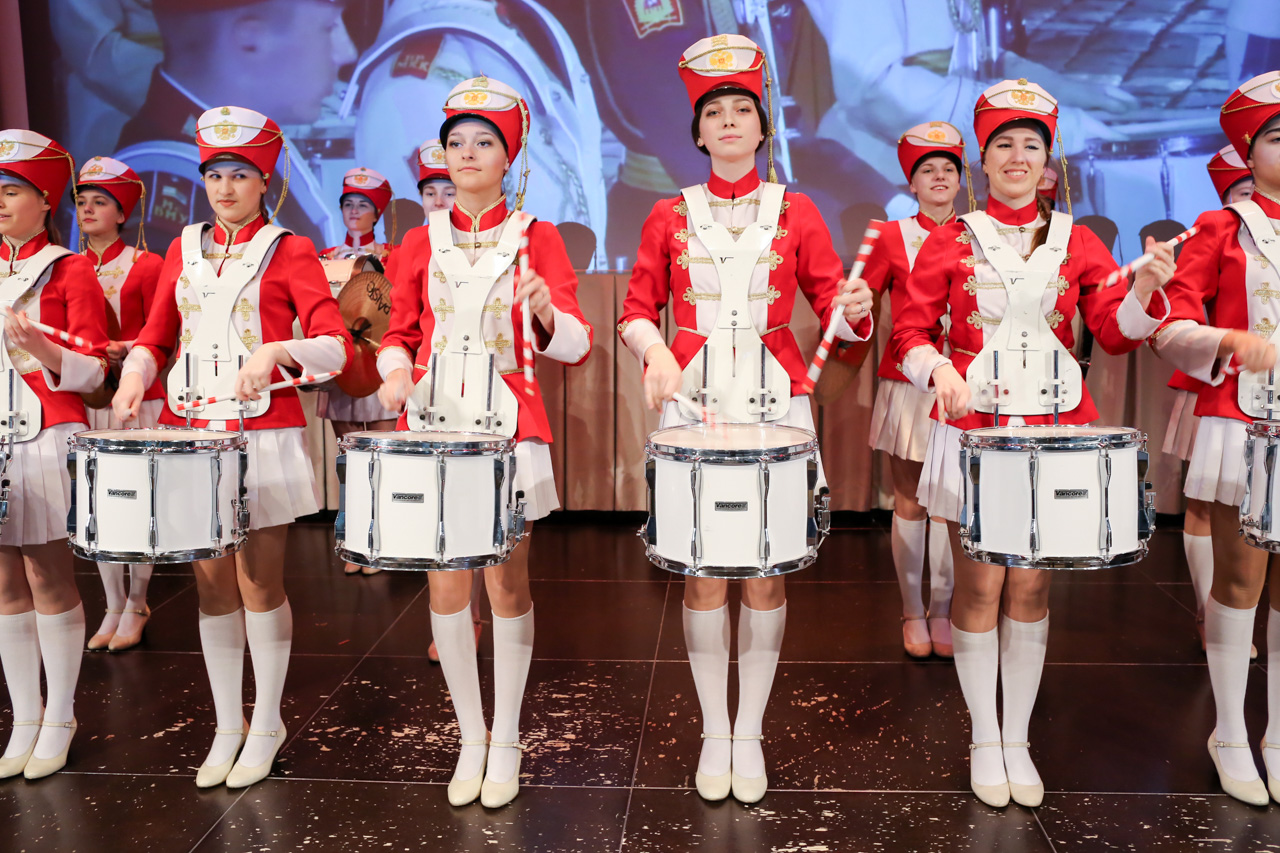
[(1256, 392)]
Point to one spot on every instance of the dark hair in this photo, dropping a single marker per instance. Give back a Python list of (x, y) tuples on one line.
[(76, 191), (219, 159), (55, 235), (716, 93), (453, 121), (1030, 124), (1042, 233), (947, 154), (422, 184)]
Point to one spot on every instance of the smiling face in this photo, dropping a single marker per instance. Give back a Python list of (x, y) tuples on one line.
[(99, 214), (358, 213), (936, 181), (438, 195), (729, 127), (235, 191), (476, 157), (1014, 162), (1264, 158), (22, 209)]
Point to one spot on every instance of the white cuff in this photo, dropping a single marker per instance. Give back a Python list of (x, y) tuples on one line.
[(570, 343), (1193, 348), (392, 359), (80, 373), (919, 364), (142, 362), (639, 335), (317, 355), (1134, 321), (845, 332)]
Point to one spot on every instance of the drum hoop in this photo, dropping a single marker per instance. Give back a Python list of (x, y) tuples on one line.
[(997, 558), (1263, 429), (423, 564), (87, 441), (95, 554), (731, 572), (663, 449), (385, 443), (1120, 438)]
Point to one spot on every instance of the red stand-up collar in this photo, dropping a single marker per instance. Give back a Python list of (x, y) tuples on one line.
[(720, 188), (113, 251), (25, 250), (1270, 206), (928, 224), (1001, 212), (490, 217), (365, 240), (243, 234)]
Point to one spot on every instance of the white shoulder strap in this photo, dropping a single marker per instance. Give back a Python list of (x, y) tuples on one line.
[(13, 287), (263, 242), (696, 200), (979, 225), (1050, 254), (771, 205), (193, 242), (439, 232), (1260, 229)]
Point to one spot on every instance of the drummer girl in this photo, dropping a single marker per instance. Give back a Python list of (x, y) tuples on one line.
[(41, 617), (1000, 616), (108, 192), (228, 297), (932, 157), (1231, 270), (782, 248), (447, 305), (434, 184)]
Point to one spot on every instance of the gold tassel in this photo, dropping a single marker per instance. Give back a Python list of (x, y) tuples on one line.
[(968, 180), (142, 219), (284, 192), (394, 230), (523, 183), (769, 131), (1062, 157)]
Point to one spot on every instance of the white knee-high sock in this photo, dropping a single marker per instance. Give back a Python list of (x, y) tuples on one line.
[(706, 637), (759, 644), (1022, 647), (907, 541), (456, 644), (270, 637), (1199, 550), (61, 649), (942, 569), (113, 586), (20, 658), (978, 666), (512, 652), (222, 641), (1228, 633), (1272, 756)]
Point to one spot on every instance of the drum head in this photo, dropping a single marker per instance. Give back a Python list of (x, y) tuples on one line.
[(732, 441), (173, 439), (1057, 436), (404, 441)]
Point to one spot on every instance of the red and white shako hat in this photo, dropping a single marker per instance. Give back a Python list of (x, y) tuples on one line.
[(38, 160), (236, 133), (1011, 100), (1227, 169), (928, 140), (368, 183), (722, 62), (431, 165), (114, 178), (494, 102), (1249, 108)]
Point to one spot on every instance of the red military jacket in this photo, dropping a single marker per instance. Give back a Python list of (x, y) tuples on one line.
[(413, 318), (890, 265), (802, 260), (292, 287), (128, 278), (1182, 382), (1213, 277), (71, 300), (943, 280), (368, 246)]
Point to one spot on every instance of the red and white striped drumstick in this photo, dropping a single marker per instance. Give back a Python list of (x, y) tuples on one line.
[(869, 239), (1124, 271), (706, 416), (526, 352), (274, 386), (65, 337)]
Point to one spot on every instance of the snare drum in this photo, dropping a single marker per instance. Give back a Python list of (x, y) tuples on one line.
[(733, 501), (428, 501), (1258, 523), (1056, 497), (165, 495)]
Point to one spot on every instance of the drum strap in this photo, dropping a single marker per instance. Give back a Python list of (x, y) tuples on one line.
[(22, 402), (1256, 393), (1260, 229)]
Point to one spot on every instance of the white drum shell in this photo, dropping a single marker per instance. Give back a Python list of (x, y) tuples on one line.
[(1258, 523), (1072, 518), (194, 496)]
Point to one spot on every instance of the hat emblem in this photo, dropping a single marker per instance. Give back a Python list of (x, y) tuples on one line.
[(1275, 87), (437, 155), (1023, 97), (937, 135), (95, 168), (7, 147), (359, 180), (226, 131), (721, 60), (475, 99)]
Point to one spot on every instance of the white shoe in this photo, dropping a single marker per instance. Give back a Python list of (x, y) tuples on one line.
[(213, 775), (242, 777), (996, 796), (10, 767), (713, 788), (38, 768), (465, 791), (1030, 796), (1273, 784), (749, 789), (1252, 791), (495, 795)]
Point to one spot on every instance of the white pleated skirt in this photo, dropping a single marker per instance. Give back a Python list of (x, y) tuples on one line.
[(900, 421), (148, 416), (39, 488), (941, 488), (336, 405), (280, 478), (1216, 469), (1180, 437), (536, 478)]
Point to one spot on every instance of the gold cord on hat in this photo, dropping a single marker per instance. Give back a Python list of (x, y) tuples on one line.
[(523, 183), (1062, 157), (768, 98), (284, 190)]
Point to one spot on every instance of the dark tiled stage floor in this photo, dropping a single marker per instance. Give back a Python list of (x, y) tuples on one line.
[(867, 751)]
